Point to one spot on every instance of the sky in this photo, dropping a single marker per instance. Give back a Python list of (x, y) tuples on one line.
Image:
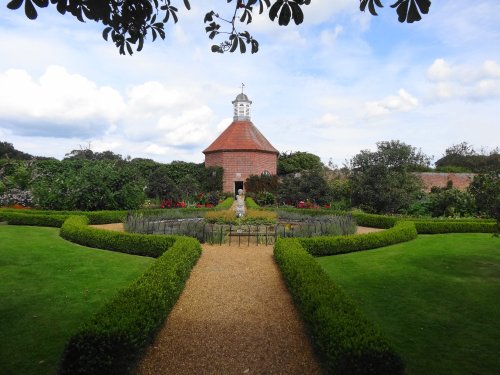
[(333, 86)]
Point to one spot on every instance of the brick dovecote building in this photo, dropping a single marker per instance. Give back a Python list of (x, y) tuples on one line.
[(241, 150)]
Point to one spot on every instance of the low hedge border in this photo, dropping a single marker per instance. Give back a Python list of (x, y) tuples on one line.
[(75, 229), (113, 340), (346, 341), (440, 226), (225, 204), (251, 204), (321, 246), (51, 218)]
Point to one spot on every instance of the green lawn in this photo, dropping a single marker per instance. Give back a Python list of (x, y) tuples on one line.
[(436, 298), (48, 287)]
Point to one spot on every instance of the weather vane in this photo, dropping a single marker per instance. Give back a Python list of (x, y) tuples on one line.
[(242, 87)]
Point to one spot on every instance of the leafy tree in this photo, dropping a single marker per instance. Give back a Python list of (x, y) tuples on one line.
[(309, 186), (88, 185), (7, 151), (450, 202), (161, 186), (128, 23), (381, 181), (464, 158), (295, 162), (189, 186), (486, 190), (260, 184)]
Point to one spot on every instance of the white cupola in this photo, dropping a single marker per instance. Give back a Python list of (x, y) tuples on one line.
[(241, 107)]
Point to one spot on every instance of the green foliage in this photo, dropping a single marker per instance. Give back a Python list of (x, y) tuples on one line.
[(112, 340), (225, 204), (321, 246), (463, 158), (486, 190), (374, 221), (382, 182), (8, 151), (259, 184), (21, 218), (296, 162), (450, 202), (88, 185), (347, 341), (75, 229), (308, 186), (250, 203), (453, 226)]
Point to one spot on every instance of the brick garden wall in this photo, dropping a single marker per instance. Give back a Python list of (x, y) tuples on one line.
[(460, 181), (239, 165)]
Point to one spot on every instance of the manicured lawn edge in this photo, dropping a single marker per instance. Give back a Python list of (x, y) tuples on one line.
[(346, 341), (113, 340)]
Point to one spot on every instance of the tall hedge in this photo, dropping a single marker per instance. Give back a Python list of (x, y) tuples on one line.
[(348, 343), (112, 341)]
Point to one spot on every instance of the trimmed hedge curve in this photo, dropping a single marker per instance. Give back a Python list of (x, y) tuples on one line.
[(75, 229), (113, 340), (347, 342), (321, 246)]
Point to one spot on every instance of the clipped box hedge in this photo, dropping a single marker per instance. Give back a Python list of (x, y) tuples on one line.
[(251, 204), (348, 343), (51, 218), (321, 246), (225, 204), (374, 221), (75, 229), (452, 226), (112, 341)]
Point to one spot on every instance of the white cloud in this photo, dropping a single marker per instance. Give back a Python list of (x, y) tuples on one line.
[(58, 100), (465, 81), (394, 103)]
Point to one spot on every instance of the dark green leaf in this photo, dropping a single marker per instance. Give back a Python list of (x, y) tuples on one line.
[(285, 15), (41, 3), (129, 48), (273, 12), (297, 14), (141, 44), (187, 5), (105, 33), (234, 45), (29, 10), (15, 4), (243, 47)]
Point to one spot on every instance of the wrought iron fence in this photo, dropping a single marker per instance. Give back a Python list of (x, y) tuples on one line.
[(240, 234)]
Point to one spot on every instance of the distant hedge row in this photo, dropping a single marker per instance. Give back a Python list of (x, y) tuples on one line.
[(346, 340), (56, 218), (111, 342)]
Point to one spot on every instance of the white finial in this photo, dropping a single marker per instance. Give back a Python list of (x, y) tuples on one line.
[(242, 87)]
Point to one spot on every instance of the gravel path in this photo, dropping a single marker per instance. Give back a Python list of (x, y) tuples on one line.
[(235, 316)]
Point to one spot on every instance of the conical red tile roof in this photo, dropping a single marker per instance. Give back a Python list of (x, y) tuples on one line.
[(241, 136)]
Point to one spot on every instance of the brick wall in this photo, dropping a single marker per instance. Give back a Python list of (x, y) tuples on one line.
[(239, 165), (460, 181)]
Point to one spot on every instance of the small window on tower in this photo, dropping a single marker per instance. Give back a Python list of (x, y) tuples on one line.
[(266, 173)]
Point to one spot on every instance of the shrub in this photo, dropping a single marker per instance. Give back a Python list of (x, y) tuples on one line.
[(374, 221), (75, 229), (250, 203), (28, 218), (225, 204), (347, 342), (112, 340), (452, 226), (320, 246)]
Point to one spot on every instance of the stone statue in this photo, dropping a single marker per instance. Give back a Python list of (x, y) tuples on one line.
[(240, 204)]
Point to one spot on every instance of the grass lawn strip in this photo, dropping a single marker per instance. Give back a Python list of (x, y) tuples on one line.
[(49, 286), (435, 298)]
